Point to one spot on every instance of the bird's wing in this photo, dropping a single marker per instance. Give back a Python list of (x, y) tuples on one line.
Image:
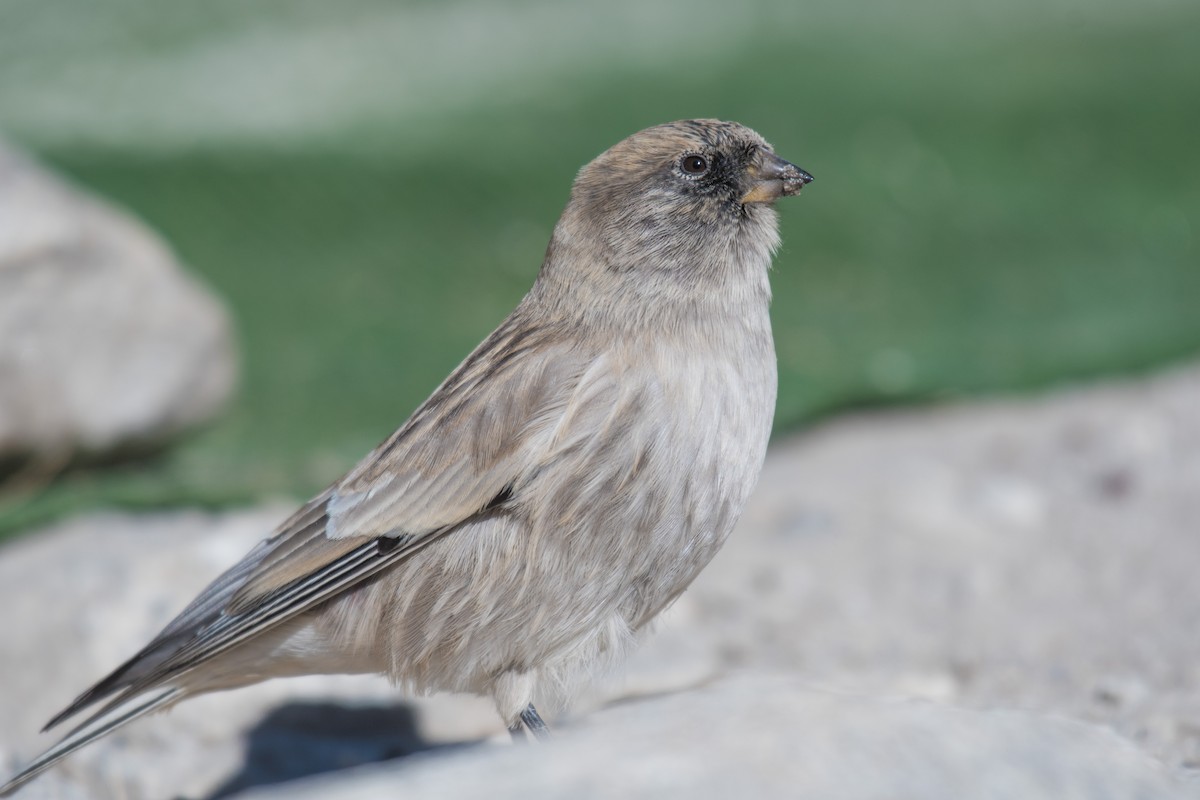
[(463, 453)]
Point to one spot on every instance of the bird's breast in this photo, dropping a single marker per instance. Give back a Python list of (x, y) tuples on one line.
[(654, 463)]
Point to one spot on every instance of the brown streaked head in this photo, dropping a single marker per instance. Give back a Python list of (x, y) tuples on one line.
[(686, 201), (700, 162)]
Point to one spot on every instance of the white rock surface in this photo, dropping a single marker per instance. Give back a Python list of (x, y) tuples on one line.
[(771, 737), (105, 342), (913, 578)]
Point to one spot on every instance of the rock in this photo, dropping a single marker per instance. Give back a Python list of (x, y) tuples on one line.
[(975, 558), (106, 344), (774, 737)]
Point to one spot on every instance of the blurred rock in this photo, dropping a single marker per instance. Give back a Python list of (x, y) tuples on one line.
[(773, 737), (106, 344), (926, 569)]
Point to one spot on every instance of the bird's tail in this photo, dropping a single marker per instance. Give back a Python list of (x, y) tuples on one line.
[(91, 730)]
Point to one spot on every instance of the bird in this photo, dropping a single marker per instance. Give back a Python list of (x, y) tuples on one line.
[(555, 494)]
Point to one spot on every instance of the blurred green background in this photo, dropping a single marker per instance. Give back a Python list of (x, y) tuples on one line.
[(1007, 193)]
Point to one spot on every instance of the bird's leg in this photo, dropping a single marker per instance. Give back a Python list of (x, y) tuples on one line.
[(529, 722)]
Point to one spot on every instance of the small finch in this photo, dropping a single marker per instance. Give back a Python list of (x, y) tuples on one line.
[(559, 490)]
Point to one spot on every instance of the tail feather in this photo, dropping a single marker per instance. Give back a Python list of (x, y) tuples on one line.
[(92, 729), (208, 606), (106, 687)]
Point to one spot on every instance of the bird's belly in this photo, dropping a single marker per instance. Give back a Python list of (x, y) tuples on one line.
[(712, 452)]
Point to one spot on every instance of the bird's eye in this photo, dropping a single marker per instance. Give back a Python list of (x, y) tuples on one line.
[(694, 165)]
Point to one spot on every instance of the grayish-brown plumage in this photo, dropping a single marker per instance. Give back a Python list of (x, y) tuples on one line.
[(556, 493)]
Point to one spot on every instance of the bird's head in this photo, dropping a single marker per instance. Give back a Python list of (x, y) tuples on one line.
[(686, 197), (699, 166)]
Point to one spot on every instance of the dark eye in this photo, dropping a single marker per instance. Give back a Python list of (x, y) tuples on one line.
[(694, 165)]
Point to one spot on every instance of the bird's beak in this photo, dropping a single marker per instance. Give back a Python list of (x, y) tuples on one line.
[(773, 178)]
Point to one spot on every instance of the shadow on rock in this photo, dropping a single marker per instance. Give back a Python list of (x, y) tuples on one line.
[(303, 739)]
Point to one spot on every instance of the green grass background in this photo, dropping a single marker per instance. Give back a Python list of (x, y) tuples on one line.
[(1006, 197)]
